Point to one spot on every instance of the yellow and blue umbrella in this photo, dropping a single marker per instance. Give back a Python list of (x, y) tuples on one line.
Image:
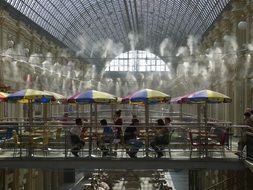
[(201, 97), (31, 95), (205, 96), (149, 96), (92, 96), (3, 96)]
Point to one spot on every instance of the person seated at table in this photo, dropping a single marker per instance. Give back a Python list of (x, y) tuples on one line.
[(108, 137), (130, 138), (75, 137), (161, 138)]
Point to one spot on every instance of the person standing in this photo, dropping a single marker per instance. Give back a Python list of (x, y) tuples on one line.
[(249, 128), (117, 120), (75, 137)]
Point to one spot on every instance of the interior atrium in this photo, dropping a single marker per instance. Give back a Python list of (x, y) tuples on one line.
[(143, 61)]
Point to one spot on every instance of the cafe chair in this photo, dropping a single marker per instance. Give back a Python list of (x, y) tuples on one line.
[(58, 134), (219, 144), (194, 143), (43, 145), (166, 146), (17, 145), (7, 136), (106, 144)]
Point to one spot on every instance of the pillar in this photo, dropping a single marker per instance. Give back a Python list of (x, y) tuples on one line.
[(47, 180), (69, 175)]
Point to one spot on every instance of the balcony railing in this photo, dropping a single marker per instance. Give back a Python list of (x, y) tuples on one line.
[(188, 140)]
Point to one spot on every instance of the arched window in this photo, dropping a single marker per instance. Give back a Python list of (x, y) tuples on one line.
[(137, 61)]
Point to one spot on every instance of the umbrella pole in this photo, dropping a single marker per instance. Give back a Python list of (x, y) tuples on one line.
[(199, 125), (51, 111), (30, 115), (96, 122), (181, 112), (44, 112), (96, 117), (90, 131), (5, 113), (112, 111), (206, 138), (77, 110), (147, 126)]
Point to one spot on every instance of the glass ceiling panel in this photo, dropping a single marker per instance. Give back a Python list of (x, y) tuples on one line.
[(99, 20)]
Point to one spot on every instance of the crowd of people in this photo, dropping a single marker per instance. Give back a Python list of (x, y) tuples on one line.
[(127, 138)]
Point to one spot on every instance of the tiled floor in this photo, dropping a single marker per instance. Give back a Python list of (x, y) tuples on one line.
[(140, 180)]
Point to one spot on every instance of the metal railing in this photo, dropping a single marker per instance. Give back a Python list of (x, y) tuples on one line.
[(51, 139)]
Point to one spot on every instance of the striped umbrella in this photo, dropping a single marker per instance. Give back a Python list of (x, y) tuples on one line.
[(206, 96), (92, 96), (31, 95), (149, 96)]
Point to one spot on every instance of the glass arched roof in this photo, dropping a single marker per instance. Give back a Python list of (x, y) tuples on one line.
[(79, 22), (137, 60)]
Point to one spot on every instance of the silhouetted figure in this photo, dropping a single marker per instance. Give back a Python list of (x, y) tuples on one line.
[(75, 137), (130, 138), (162, 138), (108, 137), (242, 142)]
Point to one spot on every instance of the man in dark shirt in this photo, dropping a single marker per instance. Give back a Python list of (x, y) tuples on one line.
[(162, 138), (130, 138), (108, 137), (242, 142)]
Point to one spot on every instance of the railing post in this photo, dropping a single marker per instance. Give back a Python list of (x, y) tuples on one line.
[(65, 139), (249, 146)]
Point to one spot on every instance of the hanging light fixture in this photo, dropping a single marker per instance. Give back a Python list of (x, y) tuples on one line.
[(242, 25)]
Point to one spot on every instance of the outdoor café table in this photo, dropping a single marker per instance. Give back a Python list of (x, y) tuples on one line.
[(29, 138), (95, 136), (146, 136), (42, 131), (203, 137)]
